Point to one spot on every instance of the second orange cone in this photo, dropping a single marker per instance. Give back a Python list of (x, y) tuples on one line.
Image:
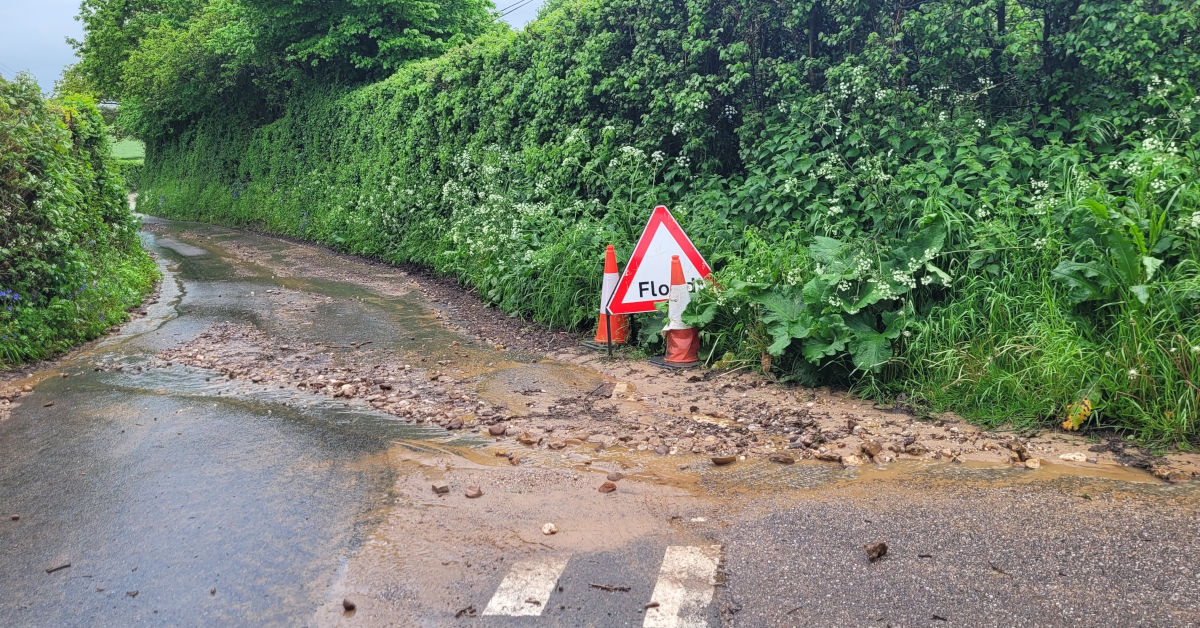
[(683, 341)]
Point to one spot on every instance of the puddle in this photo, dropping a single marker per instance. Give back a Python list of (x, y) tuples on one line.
[(698, 475), (756, 475), (180, 248), (513, 387)]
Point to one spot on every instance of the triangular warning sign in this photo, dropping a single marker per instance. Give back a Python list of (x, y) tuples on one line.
[(647, 276)]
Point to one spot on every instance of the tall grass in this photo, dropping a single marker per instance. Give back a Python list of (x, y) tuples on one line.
[(1016, 348)]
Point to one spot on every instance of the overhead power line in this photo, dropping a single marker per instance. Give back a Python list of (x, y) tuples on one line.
[(513, 7), (509, 7)]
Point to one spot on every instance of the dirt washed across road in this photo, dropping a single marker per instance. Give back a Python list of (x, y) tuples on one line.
[(290, 436)]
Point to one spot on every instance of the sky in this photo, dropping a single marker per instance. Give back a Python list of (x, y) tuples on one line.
[(33, 34), (33, 38)]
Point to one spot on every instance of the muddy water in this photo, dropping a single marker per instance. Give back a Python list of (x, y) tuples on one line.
[(390, 315), (196, 262)]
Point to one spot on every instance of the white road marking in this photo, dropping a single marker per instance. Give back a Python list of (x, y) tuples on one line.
[(684, 588), (527, 587)]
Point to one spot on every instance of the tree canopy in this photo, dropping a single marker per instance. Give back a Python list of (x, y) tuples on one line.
[(169, 61)]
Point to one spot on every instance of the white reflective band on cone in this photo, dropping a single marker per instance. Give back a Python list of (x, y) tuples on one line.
[(610, 286), (678, 301)]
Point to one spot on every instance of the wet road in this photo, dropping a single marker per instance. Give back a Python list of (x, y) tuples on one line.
[(179, 497)]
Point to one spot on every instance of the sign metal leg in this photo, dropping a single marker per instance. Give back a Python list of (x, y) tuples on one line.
[(608, 330)]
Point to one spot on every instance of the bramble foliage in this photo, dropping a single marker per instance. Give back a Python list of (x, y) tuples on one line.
[(70, 260), (990, 206)]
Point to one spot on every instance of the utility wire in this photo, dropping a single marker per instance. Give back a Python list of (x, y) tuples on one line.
[(509, 7), (519, 5)]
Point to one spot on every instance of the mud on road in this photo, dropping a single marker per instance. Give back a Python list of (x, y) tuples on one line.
[(470, 367)]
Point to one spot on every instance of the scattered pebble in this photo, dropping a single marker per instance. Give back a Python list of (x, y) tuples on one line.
[(876, 550)]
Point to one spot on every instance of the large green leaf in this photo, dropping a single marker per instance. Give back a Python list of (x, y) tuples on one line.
[(786, 318), (1086, 281), (826, 250), (1142, 292), (1151, 264), (816, 350), (870, 351)]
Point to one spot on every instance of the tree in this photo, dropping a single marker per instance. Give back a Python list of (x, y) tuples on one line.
[(171, 62), (356, 40), (113, 29), (74, 81)]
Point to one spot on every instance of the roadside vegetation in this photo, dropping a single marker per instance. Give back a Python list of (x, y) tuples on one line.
[(985, 206), (130, 155), (70, 261)]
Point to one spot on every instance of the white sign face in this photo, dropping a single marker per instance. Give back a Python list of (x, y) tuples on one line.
[(647, 277)]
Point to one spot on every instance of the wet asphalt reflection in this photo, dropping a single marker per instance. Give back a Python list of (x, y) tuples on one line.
[(180, 498)]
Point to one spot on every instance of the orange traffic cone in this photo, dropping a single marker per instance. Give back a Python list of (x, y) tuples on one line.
[(683, 341), (615, 324)]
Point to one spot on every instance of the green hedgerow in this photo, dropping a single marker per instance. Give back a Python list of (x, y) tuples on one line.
[(989, 207), (71, 264)]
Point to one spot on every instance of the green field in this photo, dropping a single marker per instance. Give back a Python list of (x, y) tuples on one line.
[(128, 149)]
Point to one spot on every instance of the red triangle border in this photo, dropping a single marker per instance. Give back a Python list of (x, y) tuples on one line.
[(659, 217)]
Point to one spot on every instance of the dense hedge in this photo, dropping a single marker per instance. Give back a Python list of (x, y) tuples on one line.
[(130, 171), (989, 206), (70, 260)]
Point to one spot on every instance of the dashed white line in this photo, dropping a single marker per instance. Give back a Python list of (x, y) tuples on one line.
[(527, 587), (684, 588)]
